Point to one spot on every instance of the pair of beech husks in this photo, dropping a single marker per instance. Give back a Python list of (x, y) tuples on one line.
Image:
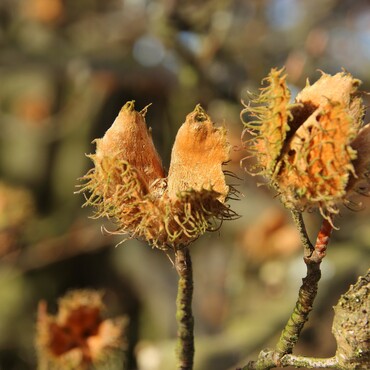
[(313, 151)]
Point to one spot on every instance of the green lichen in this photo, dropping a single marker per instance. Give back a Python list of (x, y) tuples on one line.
[(351, 326)]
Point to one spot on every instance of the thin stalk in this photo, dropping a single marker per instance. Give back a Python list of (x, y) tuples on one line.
[(184, 316), (301, 227), (307, 291), (306, 296)]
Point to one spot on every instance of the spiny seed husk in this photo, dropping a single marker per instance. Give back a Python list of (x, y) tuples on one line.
[(318, 160), (170, 212), (307, 150)]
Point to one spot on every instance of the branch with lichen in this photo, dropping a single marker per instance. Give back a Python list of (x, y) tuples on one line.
[(307, 292), (313, 256), (184, 315), (351, 331), (267, 360)]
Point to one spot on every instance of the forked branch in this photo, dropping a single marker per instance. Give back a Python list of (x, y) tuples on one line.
[(313, 255)]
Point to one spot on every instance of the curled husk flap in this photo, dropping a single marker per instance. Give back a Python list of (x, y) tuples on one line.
[(316, 159), (340, 88), (128, 139), (199, 151), (270, 113), (351, 327), (78, 336), (128, 184)]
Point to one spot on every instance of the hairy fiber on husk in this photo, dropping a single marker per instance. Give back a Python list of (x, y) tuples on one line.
[(270, 112)]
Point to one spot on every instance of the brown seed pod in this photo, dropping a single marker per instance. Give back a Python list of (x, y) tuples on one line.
[(79, 335), (128, 185), (308, 150), (317, 161)]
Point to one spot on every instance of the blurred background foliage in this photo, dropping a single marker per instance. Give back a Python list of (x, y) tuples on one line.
[(66, 68)]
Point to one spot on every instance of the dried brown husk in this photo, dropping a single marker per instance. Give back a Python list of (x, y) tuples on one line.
[(78, 336), (311, 143), (170, 212), (318, 160)]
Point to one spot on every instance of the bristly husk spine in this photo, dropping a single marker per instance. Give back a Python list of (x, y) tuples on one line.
[(271, 111)]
